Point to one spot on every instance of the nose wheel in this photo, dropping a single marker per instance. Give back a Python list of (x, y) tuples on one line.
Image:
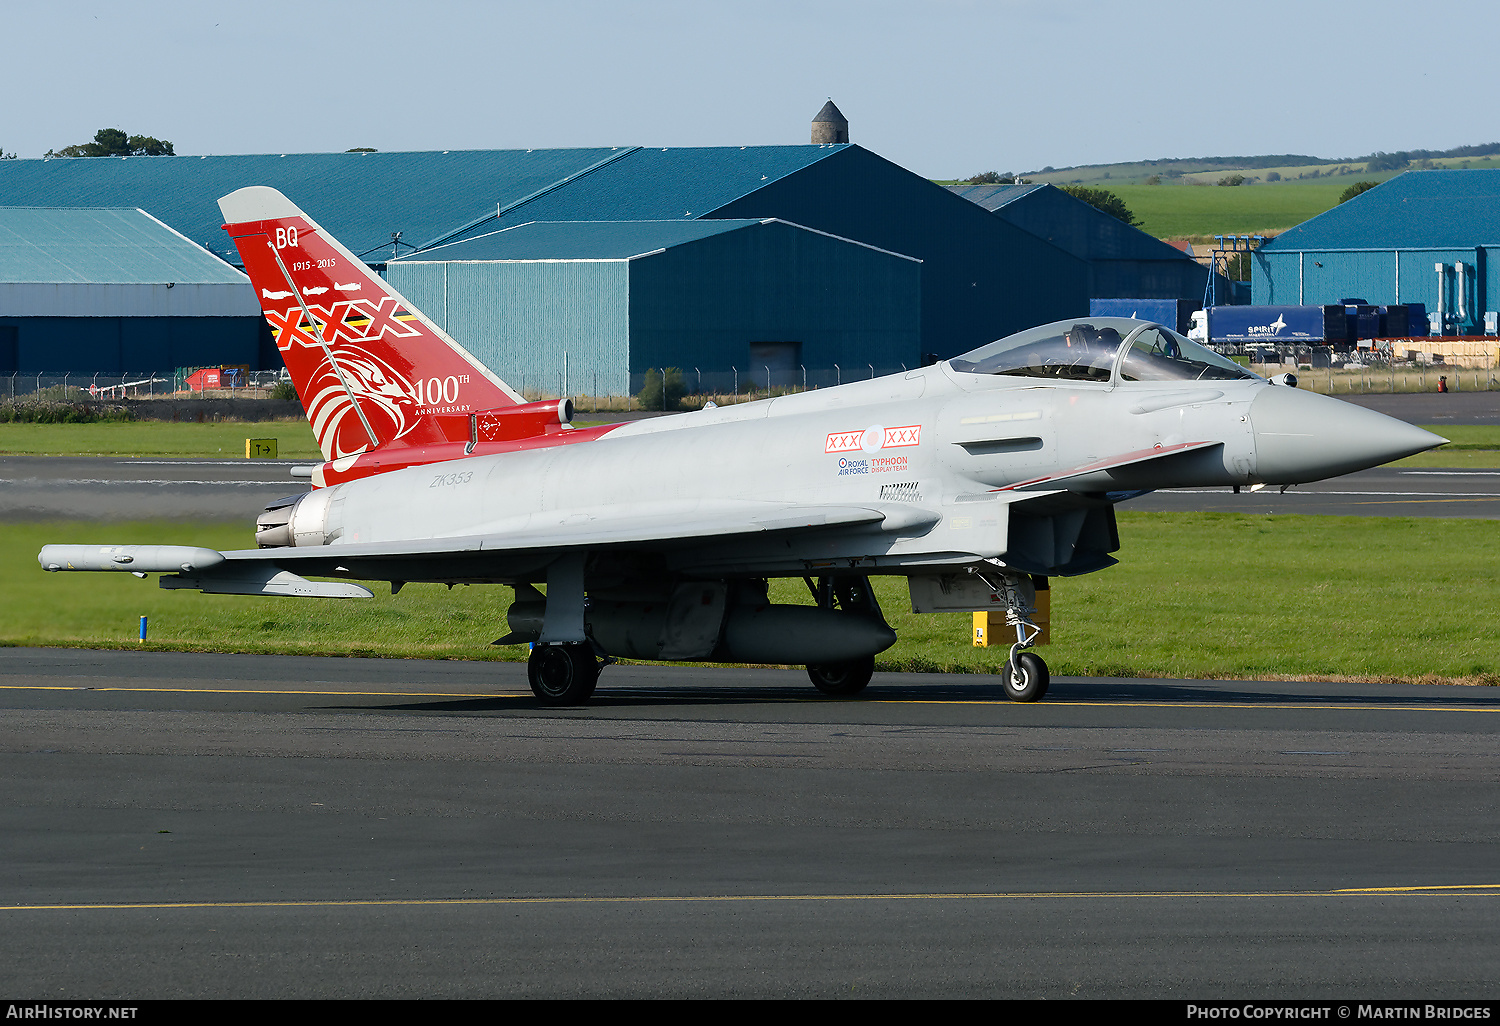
[(562, 674), (1026, 677)]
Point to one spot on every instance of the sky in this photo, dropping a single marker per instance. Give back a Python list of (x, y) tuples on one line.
[(946, 88)]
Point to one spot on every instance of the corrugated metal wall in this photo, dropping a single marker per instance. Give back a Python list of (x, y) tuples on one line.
[(519, 318), (1380, 276), (983, 277), (115, 299), (704, 303), (1125, 262), (1147, 279), (112, 344)]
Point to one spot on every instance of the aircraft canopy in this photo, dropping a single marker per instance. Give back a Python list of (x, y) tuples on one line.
[(1099, 349)]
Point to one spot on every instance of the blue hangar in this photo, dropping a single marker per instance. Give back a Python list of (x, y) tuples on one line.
[(114, 289), (1123, 261), (1429, 237), (817, 254)]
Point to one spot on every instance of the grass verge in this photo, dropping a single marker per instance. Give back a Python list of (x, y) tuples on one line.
[(157, 438), (1195, 596)]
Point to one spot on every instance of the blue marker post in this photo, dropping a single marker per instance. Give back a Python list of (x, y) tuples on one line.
[(143, 630)]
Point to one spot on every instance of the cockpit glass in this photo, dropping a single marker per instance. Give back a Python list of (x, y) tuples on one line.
[(1157, 354), (1082, 350), (1086, 349)]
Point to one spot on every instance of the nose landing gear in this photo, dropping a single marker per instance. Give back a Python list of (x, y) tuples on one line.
[(1024, 675)]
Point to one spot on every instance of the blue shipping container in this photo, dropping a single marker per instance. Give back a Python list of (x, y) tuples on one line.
[(1416, 320), (1238, 325), (1172, 313)]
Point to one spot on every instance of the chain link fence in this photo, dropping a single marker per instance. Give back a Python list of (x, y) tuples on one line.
[(1381, 370), (1318, 368), (72, 387)]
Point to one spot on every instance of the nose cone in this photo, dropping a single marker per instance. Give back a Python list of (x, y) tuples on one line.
[(1302, 436)]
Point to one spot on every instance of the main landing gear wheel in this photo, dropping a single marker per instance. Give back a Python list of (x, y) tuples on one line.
[(842, 678), (1025, 677), (562, 674)]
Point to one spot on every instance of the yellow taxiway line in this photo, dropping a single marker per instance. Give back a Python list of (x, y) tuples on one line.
[(1420, 890), (862, 700)]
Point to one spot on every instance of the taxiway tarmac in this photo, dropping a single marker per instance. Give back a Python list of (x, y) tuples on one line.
[(199, 825)]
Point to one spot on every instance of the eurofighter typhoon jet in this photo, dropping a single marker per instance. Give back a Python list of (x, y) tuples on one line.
[(655, 539)]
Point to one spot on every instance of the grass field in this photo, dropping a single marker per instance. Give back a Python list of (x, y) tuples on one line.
[(1195, 207), (1178, 211), (156, 438), (1196, 595)]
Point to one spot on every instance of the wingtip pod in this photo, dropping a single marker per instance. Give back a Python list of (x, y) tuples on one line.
[(139, 559)]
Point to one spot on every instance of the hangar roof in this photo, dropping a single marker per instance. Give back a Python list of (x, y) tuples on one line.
[(55, 245), (1069, 222), (993, 197), (578, 240), (361, 198), (1414, 210), (597, 240)]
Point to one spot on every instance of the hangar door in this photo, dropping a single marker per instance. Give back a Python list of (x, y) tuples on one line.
[(776, 364)]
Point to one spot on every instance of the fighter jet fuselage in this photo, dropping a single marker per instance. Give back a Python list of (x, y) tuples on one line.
[(654, 539)]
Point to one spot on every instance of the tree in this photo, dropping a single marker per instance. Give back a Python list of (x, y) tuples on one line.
[(996, 178), (1380, 161), (362, 149), (1237, 267), (650, 396), (1355, 189), (1104, 200), (112, 142), (7, 156), (1234, 179)]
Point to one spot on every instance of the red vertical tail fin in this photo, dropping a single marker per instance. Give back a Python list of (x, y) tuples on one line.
[(371, 370)]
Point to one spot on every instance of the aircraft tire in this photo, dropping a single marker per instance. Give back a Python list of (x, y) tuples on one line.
[(562, 674), (842, 678), (1026, 680)]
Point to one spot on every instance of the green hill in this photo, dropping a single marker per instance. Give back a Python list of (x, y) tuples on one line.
[(1182, 198)]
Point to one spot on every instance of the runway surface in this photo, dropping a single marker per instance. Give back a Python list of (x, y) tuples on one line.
[(196, 825)]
